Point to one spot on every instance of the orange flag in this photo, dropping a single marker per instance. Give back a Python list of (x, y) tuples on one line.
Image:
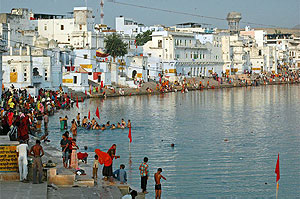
[(129, 135), (77, 102), (89, 115), (97, 113), (277, 170)]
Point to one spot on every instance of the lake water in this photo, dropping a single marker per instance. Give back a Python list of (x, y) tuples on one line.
[(259, 123)]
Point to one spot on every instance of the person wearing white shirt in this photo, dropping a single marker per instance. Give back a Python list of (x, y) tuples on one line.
[(22, 151)]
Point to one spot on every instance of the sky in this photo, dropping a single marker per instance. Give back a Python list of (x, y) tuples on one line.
[(280, 13)]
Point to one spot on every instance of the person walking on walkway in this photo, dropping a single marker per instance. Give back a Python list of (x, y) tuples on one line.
[(37, 152), (22, 150), (144, 172)]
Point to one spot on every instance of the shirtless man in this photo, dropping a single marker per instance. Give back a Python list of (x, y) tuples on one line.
[(78, 119), (157, 177), (37, 152), (93, 121), (123, 122), (129, 124), (84, 121)]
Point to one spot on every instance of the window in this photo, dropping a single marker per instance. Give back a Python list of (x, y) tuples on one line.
[(90, 73), (46, 74), (80, 27), (25, 74), (75, 79), (45, 28), (159, 43), (46, 78), (85, 56), (259, 53), (62, 27), (25, 79), (14, 70)]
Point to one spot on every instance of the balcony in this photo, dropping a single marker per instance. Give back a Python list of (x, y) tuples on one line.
[(37, 79)]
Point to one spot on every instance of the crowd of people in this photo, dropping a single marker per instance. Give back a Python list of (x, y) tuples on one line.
[(22, 113), (90, 124)]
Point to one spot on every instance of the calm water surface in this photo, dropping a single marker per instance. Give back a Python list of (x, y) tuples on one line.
[(259, 123)]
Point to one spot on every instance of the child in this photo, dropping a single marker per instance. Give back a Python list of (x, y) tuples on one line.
[(95, 168), (157, 177), (121, 174)]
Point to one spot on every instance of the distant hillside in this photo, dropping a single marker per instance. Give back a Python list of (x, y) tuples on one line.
[(297, 27)]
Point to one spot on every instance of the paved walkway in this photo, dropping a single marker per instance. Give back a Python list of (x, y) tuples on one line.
[(97, 192), (19, 190)]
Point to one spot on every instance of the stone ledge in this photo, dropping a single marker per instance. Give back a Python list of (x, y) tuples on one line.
[(9, 176)]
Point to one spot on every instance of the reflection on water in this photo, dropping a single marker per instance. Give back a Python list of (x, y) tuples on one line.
[(258, 122)]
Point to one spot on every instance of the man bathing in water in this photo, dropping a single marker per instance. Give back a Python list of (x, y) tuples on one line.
[(84, 121), (157, 177)]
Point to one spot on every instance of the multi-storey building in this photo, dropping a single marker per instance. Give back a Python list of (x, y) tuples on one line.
[(181, 53)]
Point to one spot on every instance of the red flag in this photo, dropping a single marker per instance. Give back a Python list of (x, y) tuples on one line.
[(89, 115), (85, 93), (129, 135), (101, 85), (91, 91), (130, 94), (277, 170), (55, 97), (77, 102), (82, 99), (71, 96), (97, 113)]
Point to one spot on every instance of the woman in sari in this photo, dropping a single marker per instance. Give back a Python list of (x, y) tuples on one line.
[(74, 158), (107, 171)]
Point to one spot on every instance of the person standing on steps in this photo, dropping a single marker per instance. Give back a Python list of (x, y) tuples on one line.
[(22, 151), (157, 177), (144, 172), (37, 152)]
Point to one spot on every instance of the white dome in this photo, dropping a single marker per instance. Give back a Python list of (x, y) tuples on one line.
[(52, 43), (41, 42)]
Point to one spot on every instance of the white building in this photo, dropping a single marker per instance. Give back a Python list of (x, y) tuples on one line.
[(128, 26), (181, 53), (76, 81), (35, 67), (294, 47), (262, 56), (19, 26), (3, 46), (136, 68), (77, 31)]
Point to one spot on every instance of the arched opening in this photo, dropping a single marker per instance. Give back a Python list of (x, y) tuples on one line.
[(35, 72), (134, 74)]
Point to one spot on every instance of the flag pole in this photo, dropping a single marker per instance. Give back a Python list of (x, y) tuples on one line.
[(129, 145), (277, 187)]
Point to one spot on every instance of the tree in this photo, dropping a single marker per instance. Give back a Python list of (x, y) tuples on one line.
[(115, 46), (143, 38)]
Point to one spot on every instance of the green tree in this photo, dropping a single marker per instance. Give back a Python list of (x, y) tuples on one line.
[(143, 38), (115, 46)]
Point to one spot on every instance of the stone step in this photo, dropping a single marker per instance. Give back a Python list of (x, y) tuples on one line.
[(60, 179), (84, 181), (9, 176)]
